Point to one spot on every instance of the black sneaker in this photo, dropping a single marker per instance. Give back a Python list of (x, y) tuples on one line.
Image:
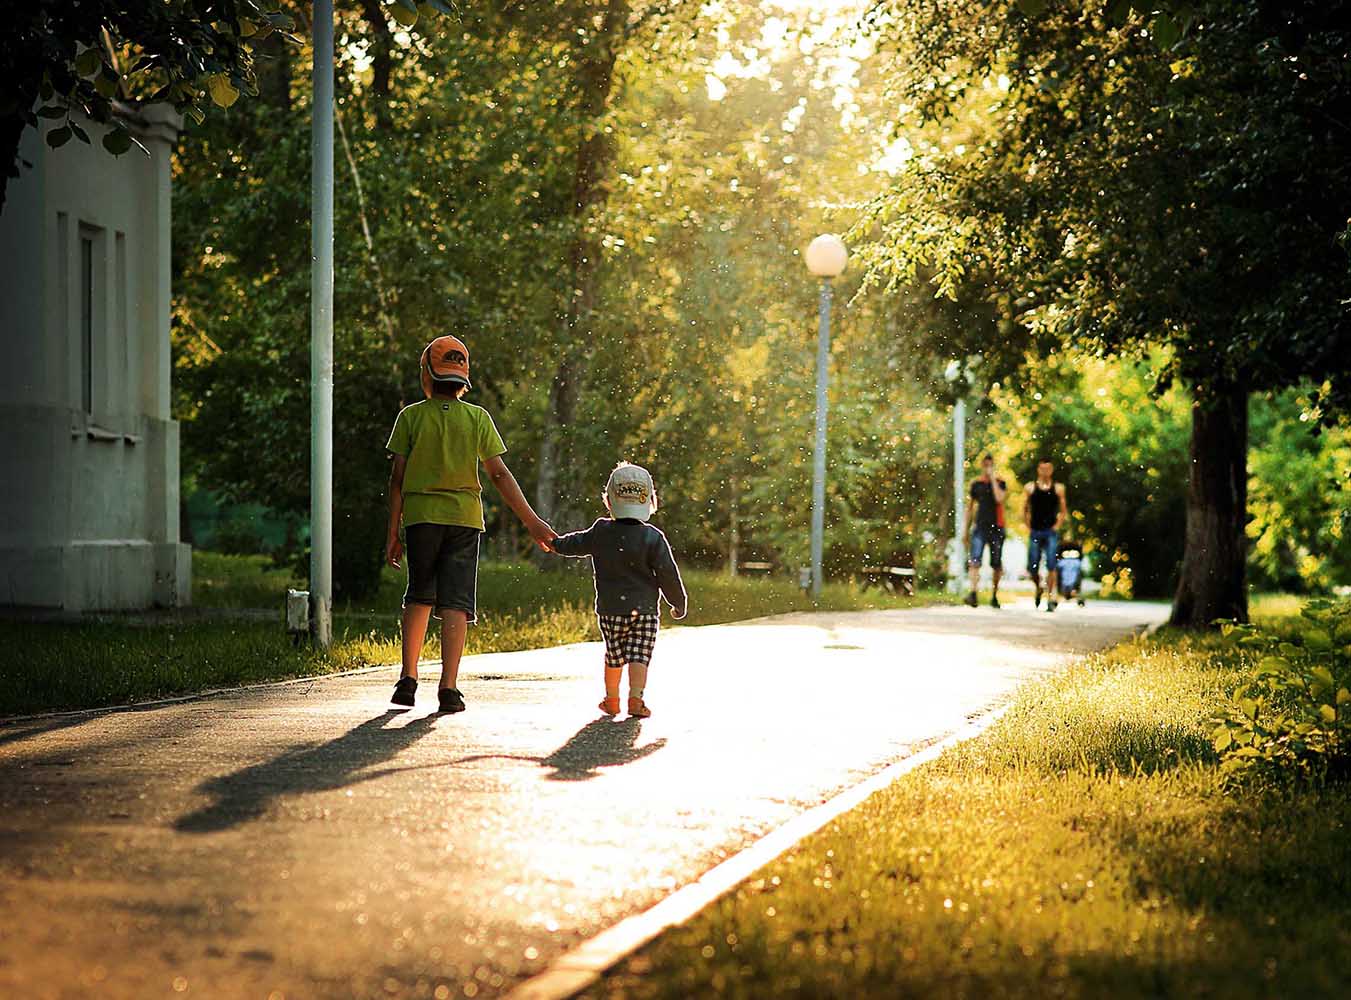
[(1036, 601), (1081, 602), (451, 700), (994, 600), (405, 692), (971, 599), (1050, 605)]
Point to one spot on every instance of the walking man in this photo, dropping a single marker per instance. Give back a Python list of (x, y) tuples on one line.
[(1044, 511), (985, 527)]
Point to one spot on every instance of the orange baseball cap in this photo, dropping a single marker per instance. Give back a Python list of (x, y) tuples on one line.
[(445, 361)]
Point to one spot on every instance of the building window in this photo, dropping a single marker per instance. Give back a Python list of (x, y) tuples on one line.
[(87, 323)]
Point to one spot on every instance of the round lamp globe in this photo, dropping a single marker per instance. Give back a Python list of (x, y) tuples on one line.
[(826, 256)]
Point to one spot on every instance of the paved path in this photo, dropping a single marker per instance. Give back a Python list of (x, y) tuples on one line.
[(306, 841)]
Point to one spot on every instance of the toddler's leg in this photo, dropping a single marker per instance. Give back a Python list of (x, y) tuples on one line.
[(414, 628), (637, 680), (454, 629), (612, 675)]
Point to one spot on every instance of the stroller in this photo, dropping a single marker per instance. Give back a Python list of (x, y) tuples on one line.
[(1070, 571)]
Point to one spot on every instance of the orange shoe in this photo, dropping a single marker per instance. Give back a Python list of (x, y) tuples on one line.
[(610, 706), (638, 709)]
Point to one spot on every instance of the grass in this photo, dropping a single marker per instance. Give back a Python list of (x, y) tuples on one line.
[(1083, 847), (55, 666)]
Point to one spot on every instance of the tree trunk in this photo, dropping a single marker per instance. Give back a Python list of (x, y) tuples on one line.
[(1213, 582), (595, 156)]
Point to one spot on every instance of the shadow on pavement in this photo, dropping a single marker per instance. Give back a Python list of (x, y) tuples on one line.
[(27, 729), (598, 744), (246, 794)]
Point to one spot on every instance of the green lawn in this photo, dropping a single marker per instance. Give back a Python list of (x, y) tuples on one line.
[(110, 661), (1083, 847)]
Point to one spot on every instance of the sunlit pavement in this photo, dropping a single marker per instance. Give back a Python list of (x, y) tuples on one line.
[(307, 841)]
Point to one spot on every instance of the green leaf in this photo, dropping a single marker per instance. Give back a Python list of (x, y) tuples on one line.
[(106, 87), (1032, 8), (1118, 12), (247, 29), (1317, 639), (1343, 696), (88, 61), (441, 6), (1165, 31), (52, 111), (1327, 713), (1273, 665), (1223, 740), (117, 142), (80, 133), (1322, 678), (223, 92), (59, 136), (405, 13)]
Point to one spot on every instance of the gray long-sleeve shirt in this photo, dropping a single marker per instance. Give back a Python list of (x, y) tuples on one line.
[(632, 563)]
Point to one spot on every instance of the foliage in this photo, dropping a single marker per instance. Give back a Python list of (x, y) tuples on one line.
[(1126, 198), (1121, 451), (1299, 497), (87, 56), (1293, 718)]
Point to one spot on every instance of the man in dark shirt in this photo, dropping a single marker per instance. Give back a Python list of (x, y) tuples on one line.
[(985, 527)]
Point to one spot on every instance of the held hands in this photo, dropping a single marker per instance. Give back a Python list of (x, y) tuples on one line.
[(542, 534), (679, 613), (394, 551)]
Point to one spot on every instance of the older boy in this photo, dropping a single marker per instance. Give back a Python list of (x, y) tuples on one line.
[(434, 492)]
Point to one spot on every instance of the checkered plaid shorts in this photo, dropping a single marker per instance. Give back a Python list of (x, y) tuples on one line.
[(628, 638)]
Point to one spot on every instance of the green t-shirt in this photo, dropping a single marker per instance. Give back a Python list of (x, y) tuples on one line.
[(444, 441)]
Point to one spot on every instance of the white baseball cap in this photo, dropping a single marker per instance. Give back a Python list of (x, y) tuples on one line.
[(631, 492)]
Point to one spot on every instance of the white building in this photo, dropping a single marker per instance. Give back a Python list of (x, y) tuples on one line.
[(89, 457)]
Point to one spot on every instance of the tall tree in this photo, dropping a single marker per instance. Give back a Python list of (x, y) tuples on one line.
[(1172, 176)]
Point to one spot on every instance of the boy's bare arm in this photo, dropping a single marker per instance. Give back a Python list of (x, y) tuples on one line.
[(394, 547), (511, 492)]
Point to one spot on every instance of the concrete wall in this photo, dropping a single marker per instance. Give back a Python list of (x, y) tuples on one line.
[(89, 495)]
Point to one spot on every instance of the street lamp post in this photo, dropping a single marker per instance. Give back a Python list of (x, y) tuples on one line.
[(321, 329), (826, 256)]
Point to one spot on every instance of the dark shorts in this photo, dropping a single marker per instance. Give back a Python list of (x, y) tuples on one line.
[(442, 567), (994, 538), (1042, 544), (628, 638)]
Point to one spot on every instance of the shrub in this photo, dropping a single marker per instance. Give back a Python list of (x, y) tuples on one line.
[(1294, 715)]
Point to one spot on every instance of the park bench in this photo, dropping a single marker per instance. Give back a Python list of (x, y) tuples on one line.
[(890, 578), (755, 567)]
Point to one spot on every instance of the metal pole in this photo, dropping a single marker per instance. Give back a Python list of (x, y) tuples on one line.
[(819, 465), (321, 329), (958, 490)]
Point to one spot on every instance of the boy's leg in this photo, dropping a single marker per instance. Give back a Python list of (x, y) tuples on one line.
[(612, 676), (414, 626), (454, 629)]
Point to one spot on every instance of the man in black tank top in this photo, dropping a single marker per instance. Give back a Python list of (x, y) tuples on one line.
[(1044, 511)]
